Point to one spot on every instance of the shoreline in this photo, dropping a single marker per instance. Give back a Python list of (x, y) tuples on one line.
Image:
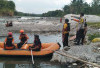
[(52, 26)]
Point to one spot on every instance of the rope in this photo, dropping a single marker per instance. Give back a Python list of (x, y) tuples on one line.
[(66, 55), (32, 57)]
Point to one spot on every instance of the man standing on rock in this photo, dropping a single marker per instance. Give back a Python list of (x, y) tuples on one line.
[(65, 32), (80, 31)]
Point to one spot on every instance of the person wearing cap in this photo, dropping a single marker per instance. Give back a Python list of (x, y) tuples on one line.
[(80, 29), (36, 45), (9, 42), (23, 39), (65, 32)]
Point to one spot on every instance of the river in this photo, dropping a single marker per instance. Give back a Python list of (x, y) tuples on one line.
[(45, 38), (25, 62)]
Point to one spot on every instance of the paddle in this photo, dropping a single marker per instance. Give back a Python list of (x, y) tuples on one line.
[(24, 46), (32, 57), (24, 43)]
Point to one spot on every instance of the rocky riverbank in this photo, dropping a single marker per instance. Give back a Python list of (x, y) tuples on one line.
[(45, 25), (41, 24), (89, 53)]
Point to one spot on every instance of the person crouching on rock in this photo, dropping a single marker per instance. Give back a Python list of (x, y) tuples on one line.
[(37, 44), (9, 42), (23, 39)]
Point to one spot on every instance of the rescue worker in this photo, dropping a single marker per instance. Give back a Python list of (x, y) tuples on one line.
[(77, 30), (85, 31), (76, 33), (9, 42), (23, 39), (80, 30), (36, 45), (65, 32)]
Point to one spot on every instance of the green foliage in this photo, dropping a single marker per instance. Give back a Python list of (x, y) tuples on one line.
[(92, 36), (95, 25), (26, 14), (95, 8), (76, 7), (7, 8), (66, 9), (57, 13)]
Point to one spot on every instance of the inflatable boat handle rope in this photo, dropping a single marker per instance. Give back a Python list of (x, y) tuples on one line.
[(32, 57)]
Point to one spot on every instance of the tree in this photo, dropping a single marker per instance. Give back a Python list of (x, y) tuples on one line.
[(56, 13), (76, 6), (7, 8), (86, 8), (66, 9), (95, 7)]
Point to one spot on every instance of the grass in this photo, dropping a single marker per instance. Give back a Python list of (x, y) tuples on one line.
[(98, 14), (95, 25), (92, 36)]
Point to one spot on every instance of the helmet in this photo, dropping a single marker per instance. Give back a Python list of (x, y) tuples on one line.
[(21, 31), (10, 33)]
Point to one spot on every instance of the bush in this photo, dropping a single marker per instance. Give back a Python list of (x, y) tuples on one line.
[(95, 25), (92, 36)]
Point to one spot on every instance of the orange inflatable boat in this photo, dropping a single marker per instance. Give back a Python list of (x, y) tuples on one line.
[(47, 48)]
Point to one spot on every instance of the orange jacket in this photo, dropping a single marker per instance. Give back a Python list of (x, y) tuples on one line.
[(25, 36), (9, 37)]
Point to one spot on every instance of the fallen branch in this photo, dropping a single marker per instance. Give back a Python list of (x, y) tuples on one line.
[(86, 62)]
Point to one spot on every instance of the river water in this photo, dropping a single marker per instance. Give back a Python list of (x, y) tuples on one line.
[(25, 62), (45, 38)]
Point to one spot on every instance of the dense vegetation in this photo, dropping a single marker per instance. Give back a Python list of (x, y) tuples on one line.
[(92, 36), (76, 7), (56, 13), (16, 13), (7, 8), (95, 25)]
